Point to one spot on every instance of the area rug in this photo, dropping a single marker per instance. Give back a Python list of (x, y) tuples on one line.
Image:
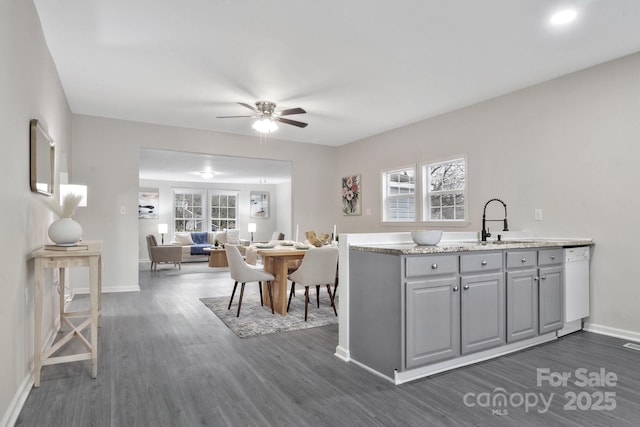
[(257, 320)]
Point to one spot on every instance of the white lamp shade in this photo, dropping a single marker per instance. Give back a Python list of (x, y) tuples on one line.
[(66, 189), (252, 227), (163, 228)]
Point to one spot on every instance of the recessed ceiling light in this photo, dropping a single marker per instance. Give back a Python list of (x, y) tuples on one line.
[(563, 17), (206, 174)]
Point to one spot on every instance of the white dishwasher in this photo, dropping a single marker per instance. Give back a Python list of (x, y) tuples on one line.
[(576, 288)]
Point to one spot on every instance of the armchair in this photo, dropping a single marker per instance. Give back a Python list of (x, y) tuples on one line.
[(163, 253)]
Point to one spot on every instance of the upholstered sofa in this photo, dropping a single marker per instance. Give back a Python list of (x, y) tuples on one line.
[(193, 243)]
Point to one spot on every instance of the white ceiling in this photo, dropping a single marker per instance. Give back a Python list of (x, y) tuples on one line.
[(358, 67), (168, 165)]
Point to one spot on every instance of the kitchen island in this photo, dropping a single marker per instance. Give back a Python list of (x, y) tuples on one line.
[(418, 310)]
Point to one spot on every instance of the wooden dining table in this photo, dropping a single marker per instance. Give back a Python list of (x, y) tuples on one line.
[(276, 261)]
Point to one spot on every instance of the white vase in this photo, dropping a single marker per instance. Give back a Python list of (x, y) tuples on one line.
[(65, 232)]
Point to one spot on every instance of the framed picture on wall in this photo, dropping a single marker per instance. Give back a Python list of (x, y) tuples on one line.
[(351, 191), (148, 204), (259, 204)]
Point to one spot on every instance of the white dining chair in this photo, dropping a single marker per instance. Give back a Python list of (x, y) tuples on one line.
[(241, 272), (318, 268)]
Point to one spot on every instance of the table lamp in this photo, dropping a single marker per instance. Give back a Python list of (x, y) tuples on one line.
[(252, 229), (162, 230)]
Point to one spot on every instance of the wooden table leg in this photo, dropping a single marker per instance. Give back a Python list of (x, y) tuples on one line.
[(61, 282), (94, 264), (277, 267), (37, 342)]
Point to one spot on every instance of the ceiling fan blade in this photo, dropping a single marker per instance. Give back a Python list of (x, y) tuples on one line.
[(291, 122), (251, 107), (231, 117), (291, 111)]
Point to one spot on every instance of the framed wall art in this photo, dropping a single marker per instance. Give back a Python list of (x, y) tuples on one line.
[(351, 195), (148, 204), (259, 204)]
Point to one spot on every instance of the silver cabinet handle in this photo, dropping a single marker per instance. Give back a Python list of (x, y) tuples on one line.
[(455, 289), (544, 277), (465, 287), (483, 263), (523, 260), (434, 266), (535, 279), (552, 257)]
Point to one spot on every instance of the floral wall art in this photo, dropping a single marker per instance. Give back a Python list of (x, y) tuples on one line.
[(351, 191)]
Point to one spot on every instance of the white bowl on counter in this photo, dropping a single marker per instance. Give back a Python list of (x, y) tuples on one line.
[(426, 238)]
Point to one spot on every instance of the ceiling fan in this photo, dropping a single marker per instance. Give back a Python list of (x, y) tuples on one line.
[(265, 112)]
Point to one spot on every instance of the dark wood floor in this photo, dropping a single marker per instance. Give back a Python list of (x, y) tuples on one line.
[(166, 360)]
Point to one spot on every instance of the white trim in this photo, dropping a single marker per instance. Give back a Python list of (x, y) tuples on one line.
[(424, 206), (15, 406), (435, 368), (22, 393), (342, 353), (372, 371), (612, 332), (383, 193)]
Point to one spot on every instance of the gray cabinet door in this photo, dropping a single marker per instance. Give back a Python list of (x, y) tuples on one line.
[(432, 321), (522, 305), (482, 312), (551, 296)]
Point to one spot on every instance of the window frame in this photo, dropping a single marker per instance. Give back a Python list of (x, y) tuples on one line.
[(210, 218), (203, 207), (425, 202), (384, 174)]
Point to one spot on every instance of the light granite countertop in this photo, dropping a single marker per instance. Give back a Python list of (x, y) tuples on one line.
[(452, 246)]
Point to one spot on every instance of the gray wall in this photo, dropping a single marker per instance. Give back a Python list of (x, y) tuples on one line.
[(569, 146), (29, 88), (106, 155)]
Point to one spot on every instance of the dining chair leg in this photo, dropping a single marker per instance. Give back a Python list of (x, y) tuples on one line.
[(333, 303), (270, 296), (306, 302), (240, 302), (235, 285), (260, 288), (318, 295), (293, 291)]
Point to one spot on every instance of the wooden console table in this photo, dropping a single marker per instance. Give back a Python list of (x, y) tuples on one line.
[(62, 259)]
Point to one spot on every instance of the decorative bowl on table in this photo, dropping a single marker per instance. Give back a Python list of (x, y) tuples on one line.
[(286, 244), (426, 237)]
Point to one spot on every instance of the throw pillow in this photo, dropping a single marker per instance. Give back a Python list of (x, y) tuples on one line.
[(184, 239), (233, 237), (221, 237)]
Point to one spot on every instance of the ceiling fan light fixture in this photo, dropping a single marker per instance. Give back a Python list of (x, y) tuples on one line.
[(563, 17), (265, 125)]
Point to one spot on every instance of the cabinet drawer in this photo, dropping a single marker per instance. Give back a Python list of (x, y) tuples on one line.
[(430, 265), (549, 256), (519, 259), (472, 263)]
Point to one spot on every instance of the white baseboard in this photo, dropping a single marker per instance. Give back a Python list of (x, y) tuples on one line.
[(612, 332), (15, 406), (131, 288), (342, 353), (13, 411)]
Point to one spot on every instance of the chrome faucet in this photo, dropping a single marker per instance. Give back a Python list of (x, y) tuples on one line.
[(485, 230)]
